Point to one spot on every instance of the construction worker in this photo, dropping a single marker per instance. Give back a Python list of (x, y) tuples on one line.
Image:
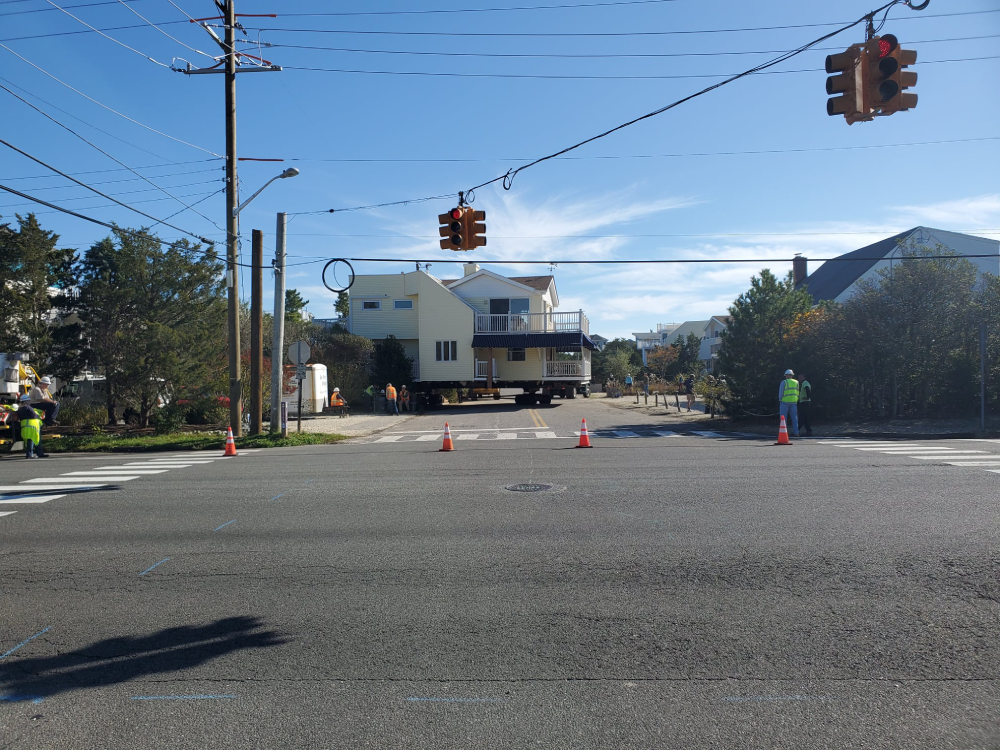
[(337, 402), (805, 402), (390, 400), (42, 399), (31, 429), (404, 399), (788, 402), (370, 392)]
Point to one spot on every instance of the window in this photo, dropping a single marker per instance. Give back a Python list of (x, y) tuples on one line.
[(402, 304), (515, 355), (371, 304), (446, 351)]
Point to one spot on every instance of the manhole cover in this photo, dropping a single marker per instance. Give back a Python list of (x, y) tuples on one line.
[(529, 487)]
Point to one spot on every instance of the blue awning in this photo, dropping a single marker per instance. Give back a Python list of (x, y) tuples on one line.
[(531, 340)]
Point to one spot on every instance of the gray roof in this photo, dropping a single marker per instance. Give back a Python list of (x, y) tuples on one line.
[(697, 327), (831, 279)]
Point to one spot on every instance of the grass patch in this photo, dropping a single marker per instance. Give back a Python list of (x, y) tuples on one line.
[(105, 443)]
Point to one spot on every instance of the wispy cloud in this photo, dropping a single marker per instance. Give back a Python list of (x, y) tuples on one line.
[(956, 215)]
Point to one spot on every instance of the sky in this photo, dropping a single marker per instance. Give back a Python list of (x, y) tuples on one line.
[(386, 101)]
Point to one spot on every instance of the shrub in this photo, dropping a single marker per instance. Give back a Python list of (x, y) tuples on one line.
[(74, 412), (207, 410), (168, 419)]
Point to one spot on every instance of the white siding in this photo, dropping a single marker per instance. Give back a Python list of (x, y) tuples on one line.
[(444, 317), (377, 324)]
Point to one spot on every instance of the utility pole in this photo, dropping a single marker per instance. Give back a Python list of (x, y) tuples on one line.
[(232, 225), (982, 377), (233, 61), (257, 333), (278, 341)]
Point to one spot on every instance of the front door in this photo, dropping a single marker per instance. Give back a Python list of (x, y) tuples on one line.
[(499, 307)]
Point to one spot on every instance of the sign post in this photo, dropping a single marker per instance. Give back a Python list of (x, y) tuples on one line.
[(299, 354)]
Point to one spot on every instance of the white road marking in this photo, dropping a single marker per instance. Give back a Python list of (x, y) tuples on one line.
[(973, 463), (664, 433), (28, 499), (389, 439), (887, 448), (19, 488), (473, 436), (129, 467), (8, 513), (428, 438), (189, 462), (504, 436), (76, 479), (890, 451), (623, 434), (131, 470), (707, 434), (543, 435), (993, 471), (956, 454)]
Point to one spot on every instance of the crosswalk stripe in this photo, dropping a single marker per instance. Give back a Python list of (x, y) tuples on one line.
[(473, 436), (19, 488), (900, 451), (8, 513), (707, 434), (545, 435), (388, 439), (956, 454), (189, 462), (507, 436), (76, 479), (131, 470), (427, 438), (28, 499), (886, 448), (624, 434), (993, 471), (664, 433), (129, 467), (973, 463)]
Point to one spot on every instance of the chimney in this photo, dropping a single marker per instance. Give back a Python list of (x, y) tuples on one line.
[(799, 271), (470, 268)]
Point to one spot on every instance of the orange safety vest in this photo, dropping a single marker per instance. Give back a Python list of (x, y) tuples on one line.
[(390, 393), (405, 396), (337, 400)]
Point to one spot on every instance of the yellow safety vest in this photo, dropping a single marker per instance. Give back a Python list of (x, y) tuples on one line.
[(802, 393), (791, 394)]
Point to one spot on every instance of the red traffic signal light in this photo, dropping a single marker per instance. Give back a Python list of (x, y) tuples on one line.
[(452, 229), (888, 79)]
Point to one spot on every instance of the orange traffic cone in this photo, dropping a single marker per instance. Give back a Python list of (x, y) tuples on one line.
[(783, 434), (230, 444), (448, 445), (584, 437)]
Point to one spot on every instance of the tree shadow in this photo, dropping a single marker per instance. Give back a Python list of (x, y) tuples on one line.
[(116, 660)]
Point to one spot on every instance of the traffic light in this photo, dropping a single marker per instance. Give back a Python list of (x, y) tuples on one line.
[(851, 67), (892, 78), (453, 229), (474, 231)]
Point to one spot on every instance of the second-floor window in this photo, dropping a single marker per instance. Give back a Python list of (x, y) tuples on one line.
[(402, 304), (446, 351), (371, 304)]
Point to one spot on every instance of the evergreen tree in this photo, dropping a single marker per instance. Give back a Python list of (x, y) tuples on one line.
[(390, 364)]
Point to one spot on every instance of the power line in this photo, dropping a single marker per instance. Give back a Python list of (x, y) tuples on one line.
[(478, 10), (583, 34), (587, 56), (201, 196), (132, 49), (537, 76), (657, 261), (126, 192), (105, 182), (172, 38), (98, 148), (69, 7), (88, 31), (98, 192), (125, 169), (104, 106)]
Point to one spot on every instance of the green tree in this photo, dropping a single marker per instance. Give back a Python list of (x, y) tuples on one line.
[(754, 351), (37, 280), (294, 304), (600, 359), (343, 305), (688, 349), (154, 317), (390, 363), (348, 361)]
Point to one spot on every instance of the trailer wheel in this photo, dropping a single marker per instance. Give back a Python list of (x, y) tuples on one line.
[(570, 392), (545, 400), (496, 396)]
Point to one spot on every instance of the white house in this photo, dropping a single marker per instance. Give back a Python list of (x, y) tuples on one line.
[(497, 330)]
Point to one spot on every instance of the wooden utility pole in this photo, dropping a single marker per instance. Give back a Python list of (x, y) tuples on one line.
[(257, 333)]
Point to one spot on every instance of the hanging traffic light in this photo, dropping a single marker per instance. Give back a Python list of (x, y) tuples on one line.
[(851, 67), (474, 231), (453, 229), (887, 79)]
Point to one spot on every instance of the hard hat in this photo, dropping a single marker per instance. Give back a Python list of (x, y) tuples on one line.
[(336, 390), (46, 380), (789, 372), (25, 397)]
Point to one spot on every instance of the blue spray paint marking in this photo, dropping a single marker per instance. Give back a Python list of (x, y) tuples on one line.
[(179, 697), (224, 525), (456, 700), (25, 641), (776, 698), (277, 496), (21, 698), (154, 566)]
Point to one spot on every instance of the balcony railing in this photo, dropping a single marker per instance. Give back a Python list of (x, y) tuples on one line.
[(482, 368), (550, 322), (569, 369)]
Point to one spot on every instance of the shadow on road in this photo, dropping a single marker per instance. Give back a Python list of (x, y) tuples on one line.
[(117, 660)]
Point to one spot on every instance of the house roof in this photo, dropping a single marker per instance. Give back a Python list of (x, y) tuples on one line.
[(696, 327), (540, 283), (831, 279)]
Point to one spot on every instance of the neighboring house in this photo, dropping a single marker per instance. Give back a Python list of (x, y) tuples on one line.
[(599, 341), (838, 280), (481, 327), (662, 336), (711, 341)]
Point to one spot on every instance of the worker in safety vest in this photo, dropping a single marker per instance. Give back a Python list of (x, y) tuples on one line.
[(31, 429), (390, 400), (370, 392), (805, 402), (788, 398)]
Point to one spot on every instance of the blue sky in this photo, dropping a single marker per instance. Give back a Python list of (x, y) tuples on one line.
[(755, 169)]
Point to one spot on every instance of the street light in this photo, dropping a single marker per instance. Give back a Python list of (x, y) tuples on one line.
[(235, 384)]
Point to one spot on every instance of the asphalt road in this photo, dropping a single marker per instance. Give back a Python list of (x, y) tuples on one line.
[(674, 591)]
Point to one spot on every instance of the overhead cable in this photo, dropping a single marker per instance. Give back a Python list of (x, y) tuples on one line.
[(610, 3), (132, 49), (114, 159), (172, 38)]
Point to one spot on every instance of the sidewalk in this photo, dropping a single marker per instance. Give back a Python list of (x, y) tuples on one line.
[(355, 425)]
